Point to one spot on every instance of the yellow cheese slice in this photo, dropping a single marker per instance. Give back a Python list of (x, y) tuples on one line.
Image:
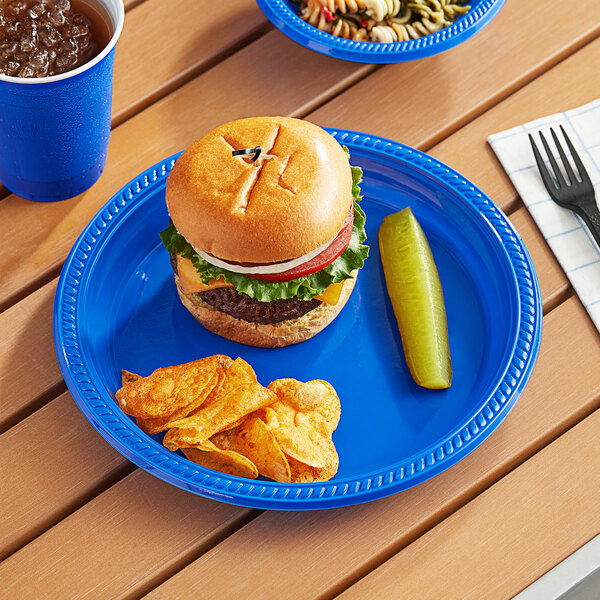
[(332, 294), (191, 282)]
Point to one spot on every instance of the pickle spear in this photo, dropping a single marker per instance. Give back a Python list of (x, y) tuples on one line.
[(415, 291)]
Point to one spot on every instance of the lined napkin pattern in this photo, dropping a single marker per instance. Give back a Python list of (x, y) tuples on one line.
[(565, 232)]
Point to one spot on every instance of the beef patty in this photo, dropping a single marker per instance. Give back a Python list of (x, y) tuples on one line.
[(242, 306)]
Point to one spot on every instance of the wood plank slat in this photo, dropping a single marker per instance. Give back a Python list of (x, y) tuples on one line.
[(510, 535), (51, 463), (32, 256), (564, 87), (29, 371), (353, 539), (166, 43), (121, 544)]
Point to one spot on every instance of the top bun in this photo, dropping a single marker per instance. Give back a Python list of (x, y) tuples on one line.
[(274, 210)]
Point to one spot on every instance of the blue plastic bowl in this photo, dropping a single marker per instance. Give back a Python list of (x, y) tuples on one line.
[(282, 13)]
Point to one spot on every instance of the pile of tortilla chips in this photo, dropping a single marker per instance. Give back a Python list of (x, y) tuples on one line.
[(220, 417)]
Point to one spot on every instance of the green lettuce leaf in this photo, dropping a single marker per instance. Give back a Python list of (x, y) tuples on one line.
[(304, 288)]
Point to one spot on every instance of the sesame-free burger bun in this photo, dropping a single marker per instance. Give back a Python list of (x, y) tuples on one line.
[(275, 210)]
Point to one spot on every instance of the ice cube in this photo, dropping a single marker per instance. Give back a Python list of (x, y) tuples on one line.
[(49, 36), (17, 7), (65, 61), (81, 20), (73, 31), (56, 17), (68, 46), (7, 49), (37, 10), (39, 60), (40, 71), (12, 66), (62, 5), (13, 29), (27, 71), (84, 41), (28, 41)]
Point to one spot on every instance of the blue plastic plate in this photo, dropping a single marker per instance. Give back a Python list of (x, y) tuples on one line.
[(116, 307), (283, 14)]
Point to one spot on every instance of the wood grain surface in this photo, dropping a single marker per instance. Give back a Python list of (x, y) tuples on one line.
[(149, 64), (134, 534), (62, 463), (495, 544), (467, 150), (80, 521), (28, 366)]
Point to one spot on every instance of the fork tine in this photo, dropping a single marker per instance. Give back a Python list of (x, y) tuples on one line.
[(557, 173), (582, 171), (566, 164), (546, 178)]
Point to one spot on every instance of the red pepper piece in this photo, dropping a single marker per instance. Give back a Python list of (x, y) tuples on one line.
[(329, 16)]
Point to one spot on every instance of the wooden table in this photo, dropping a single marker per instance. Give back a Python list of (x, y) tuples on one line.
[(523, 501)]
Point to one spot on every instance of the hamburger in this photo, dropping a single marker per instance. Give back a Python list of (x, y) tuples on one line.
[(266, 233)]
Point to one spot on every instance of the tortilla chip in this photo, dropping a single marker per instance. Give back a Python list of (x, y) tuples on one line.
[(240, 395), (152, 426), (128, 377), (313, 396), (170, 389), (232, 463), (234, 424), (255, 441), (303, 419), (301, 473), (220, 372)]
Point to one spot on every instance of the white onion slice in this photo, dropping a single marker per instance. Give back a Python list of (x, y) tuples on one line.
[(264, 269)]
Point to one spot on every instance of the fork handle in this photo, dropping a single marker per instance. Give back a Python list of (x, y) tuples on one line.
[(589, 213)]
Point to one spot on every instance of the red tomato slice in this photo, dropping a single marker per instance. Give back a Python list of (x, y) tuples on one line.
[(339, 244)]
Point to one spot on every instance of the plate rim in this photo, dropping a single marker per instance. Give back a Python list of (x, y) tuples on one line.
[(301, 32), (122, 433)]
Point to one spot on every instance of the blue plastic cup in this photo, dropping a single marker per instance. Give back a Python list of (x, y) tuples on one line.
[(54, 131)]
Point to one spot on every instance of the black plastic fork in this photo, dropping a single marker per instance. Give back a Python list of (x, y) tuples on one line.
[(574, 194)]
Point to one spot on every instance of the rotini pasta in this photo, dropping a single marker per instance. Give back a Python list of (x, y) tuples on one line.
[(381, 20)]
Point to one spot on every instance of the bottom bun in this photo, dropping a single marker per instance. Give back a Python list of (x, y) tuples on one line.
[(270, 335)]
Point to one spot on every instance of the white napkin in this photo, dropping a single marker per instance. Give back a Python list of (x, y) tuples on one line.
[(565, 232)]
